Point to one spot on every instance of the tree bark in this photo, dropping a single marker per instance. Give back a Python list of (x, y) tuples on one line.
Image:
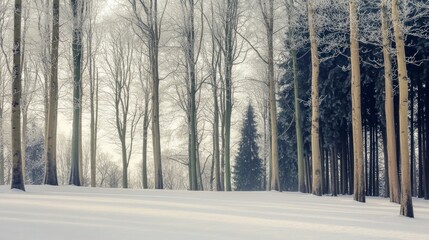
[(299, 138), (359, 174), (145, 133), (1, 137), (230, 25), (389, 109), (315, 142), (406, 199), (17, 170), (75, 175)]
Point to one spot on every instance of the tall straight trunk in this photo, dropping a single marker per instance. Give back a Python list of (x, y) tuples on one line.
[(386, 165), (359, 174), (333, 180), (24, 129), (153, 55), (93, 81), (298, 129), (189, 31), (93, 145), (425, 143), (51, 137), (269, 25), (412, 141), (389, 108), (377, 166), (1, 138), (406, 199), (17, 170), (145, 133), (420, 126), (80, 149), (216, 151), (221, 104), (231, 14), (75, 174), (124, 163), (299, 138), (315, 142), (351, 161), (215, 63)]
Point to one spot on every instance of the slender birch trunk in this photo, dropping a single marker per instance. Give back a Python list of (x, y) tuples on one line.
[(315, 142), (406, 200), (389, 109)]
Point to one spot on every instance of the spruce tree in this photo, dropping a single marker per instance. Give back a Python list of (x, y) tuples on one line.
[(248, 168)]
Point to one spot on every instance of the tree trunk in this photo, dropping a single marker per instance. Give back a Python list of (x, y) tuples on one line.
[(299, 138), (425, 144), (124, 162), (216, 151), (406, 200), (1, 137), (17, 170), (389, 109), (230, 20), (315, 142), (77, 55), (51, 137), (359, 174), (269, 25), (156, 136), (93, 79), (145, 133)]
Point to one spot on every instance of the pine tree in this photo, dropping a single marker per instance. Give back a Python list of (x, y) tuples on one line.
[(248, 169)]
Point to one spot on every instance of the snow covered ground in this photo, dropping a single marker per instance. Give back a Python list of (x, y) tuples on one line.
[(62, 213)]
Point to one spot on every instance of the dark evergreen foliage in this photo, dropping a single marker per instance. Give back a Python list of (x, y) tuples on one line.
[(35, 162), (248, 168)]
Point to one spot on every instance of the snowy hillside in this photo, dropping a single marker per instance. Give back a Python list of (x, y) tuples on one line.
[(54, 213)]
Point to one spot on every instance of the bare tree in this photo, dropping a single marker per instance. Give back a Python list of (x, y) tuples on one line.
[(231, 23), (93, 43), (120, 58), (148, 25)]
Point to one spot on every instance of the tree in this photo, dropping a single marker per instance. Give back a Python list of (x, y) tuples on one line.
[(248, 169), (92, 49), (51, 137), (389, 107), (191, 51), (299, 138), (315, 63), (17, 170), (231, 21), (149, 31), (214, 64), (120, 58), (145, 86), (359, 182), (406, 200), (3, 86), (77, 10)]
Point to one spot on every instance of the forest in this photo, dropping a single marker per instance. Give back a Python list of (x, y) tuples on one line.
[(314, 96)]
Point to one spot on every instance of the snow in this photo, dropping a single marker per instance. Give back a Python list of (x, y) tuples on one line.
[(66, 212)]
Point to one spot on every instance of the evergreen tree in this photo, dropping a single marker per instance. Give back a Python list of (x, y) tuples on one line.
[(248, 168)]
